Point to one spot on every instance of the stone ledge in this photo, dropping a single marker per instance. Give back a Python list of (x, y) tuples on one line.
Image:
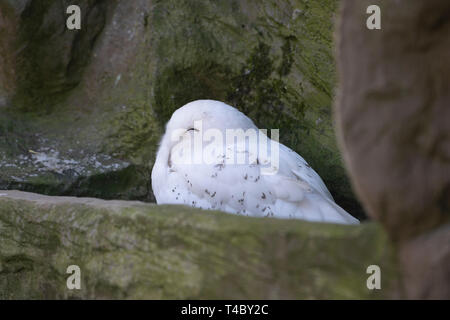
[(135, 250)]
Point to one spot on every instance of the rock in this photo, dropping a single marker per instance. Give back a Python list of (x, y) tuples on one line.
[(393, 119), (60, 131), (425, 265), (133, 250), (92, 104)]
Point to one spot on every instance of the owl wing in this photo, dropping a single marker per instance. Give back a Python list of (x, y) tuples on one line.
[(301, 193), (293, 189)]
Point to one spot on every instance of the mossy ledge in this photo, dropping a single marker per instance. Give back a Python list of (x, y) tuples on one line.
[(136, 250)]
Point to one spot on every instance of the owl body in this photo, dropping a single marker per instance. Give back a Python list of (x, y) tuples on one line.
[(200, 164)]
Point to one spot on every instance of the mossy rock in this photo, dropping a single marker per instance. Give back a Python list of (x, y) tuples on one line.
[(133, 250), (97, 99)]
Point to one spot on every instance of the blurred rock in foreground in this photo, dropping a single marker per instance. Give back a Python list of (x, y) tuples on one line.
[(135, 250), (393, 113)]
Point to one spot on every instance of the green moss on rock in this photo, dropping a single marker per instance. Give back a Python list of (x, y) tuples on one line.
[(132, 250), (109, 89)]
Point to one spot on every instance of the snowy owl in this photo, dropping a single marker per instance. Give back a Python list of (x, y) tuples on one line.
[(212, 156)]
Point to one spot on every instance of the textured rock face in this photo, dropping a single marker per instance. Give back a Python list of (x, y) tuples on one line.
[(135, 250), (393, 116), (92, 103)]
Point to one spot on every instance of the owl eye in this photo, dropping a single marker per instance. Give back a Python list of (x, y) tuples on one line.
[(191, 129)]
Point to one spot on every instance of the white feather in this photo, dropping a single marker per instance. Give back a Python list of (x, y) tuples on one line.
[(295, 191)]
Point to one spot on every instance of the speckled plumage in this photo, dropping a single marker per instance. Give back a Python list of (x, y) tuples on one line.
[(295, 191)]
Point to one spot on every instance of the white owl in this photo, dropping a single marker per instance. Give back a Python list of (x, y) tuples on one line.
[(212, 156)]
